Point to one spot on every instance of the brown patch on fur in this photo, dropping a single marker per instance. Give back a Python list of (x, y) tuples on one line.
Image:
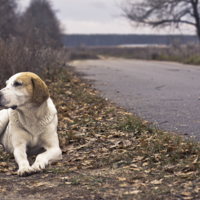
[(35, 86)]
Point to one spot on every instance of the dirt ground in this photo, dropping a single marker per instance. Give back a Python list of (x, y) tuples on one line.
[(125, 182)]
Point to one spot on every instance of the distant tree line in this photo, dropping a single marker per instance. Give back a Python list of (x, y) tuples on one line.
[(77, 40), (38, 24)]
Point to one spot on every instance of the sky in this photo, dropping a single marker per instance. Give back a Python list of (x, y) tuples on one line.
[(98, 17)]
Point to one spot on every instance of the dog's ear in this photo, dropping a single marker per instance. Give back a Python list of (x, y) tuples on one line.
[(40, 91)]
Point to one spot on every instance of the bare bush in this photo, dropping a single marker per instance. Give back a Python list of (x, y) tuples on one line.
[(16, 56)]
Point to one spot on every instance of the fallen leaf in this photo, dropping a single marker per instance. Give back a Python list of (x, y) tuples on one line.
[(39, 184), (187, 198), (187, 168), (169, 168), (68, 148), (195, 161), (87, 162), (123, 185), (73, 169), (186, 193), (14, 173), (68, 92), (82, 146), (126, 167), (64, 108), (4, 164), (147, 171), (138, 158), (126, 143), (145, 164), (133, 165), (65, 178), (133, 192), (197, 190), (157, 182), (136, 169), (75, 81), (67, 119), (3, 190), (68, 183), (4, 170), (121, 178)]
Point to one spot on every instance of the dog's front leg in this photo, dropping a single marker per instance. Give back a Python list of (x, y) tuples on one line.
[(43, 159), (21, 159), (19, 140), (50, 143)]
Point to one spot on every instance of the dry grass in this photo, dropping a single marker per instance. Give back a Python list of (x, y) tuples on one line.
[(189, 54), (18, 56)]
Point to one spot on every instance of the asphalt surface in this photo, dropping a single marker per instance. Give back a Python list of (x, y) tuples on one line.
[(166, 94)]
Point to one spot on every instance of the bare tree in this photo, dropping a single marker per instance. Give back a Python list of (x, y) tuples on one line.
[(39, 22), (8, 18), (160, 13)]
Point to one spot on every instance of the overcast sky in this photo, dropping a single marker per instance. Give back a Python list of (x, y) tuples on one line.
[(96, 16)]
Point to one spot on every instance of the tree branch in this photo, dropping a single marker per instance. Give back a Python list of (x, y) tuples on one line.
[(162, 22)]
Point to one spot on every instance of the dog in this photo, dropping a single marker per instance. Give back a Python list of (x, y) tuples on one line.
[(28, 124)]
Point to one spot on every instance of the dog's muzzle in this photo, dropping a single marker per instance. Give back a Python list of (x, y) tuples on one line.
[(2, 101)]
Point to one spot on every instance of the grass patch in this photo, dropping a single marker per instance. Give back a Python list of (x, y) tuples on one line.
[(134, 125), (58, 170), (194, 59)]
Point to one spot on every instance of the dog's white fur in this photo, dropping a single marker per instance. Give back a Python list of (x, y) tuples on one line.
[(29, 124)]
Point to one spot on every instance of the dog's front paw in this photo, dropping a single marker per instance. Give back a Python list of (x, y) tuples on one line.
[(39, 166), (24, 171)]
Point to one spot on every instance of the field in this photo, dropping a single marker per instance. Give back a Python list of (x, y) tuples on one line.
[(188, 54)]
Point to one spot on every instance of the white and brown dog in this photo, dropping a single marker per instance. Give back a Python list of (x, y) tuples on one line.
[(29, 124)]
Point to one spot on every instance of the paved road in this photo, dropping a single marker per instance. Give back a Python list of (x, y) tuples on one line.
[(167, 94)]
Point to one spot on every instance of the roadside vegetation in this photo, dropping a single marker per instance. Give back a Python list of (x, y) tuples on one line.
[(187, 54)]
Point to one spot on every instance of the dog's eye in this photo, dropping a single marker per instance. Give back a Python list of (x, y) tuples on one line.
[(17, 84)]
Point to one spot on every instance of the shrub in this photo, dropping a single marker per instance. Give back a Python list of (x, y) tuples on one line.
[(17, 56), (194, 59)]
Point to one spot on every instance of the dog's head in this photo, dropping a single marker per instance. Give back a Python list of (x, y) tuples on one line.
[(23, 88)]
